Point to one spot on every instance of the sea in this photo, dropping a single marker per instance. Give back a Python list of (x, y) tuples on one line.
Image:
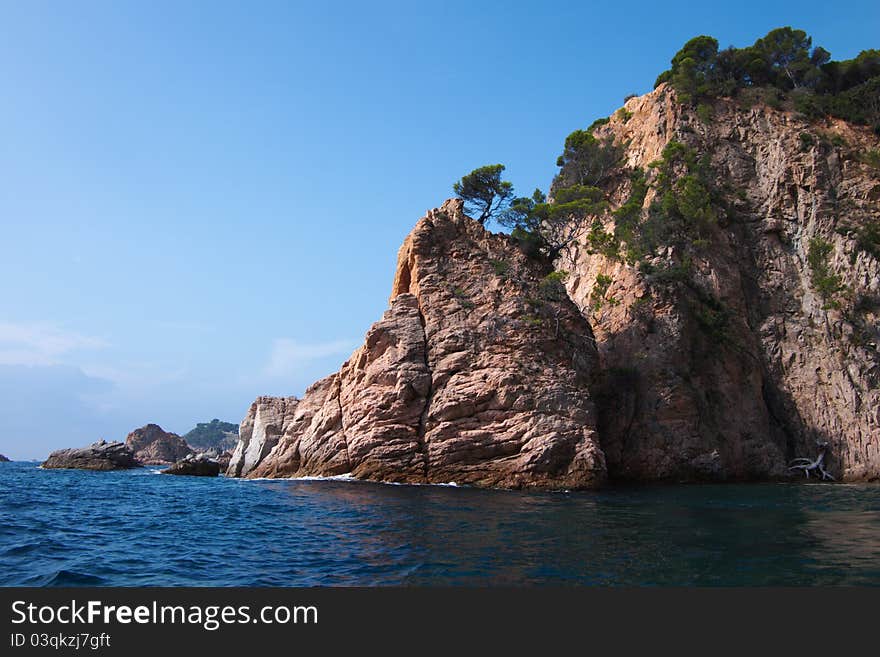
[(142, 528)]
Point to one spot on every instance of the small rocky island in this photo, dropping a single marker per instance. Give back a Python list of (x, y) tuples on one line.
[(148, 445), (3, 459), (97, 456), (198, 465)]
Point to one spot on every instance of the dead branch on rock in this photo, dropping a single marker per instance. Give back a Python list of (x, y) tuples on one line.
[(817, 465)]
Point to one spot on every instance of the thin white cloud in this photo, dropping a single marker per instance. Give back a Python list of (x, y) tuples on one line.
[(36, 343), (287, 355), (136, 375)]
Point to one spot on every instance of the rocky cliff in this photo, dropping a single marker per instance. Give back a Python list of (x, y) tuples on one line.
[(265, 422), (721, 354), (770, 345), (153, 446), (478, 373)]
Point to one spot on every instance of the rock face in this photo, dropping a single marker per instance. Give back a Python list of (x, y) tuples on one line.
[(97, 456), (153, 446), (478, 373), (259, 432), (197, 465), (3, 459), (720, 357), (224, 459), (791, 368)]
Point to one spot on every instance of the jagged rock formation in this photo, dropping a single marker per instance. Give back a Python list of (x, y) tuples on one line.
[(97, 456), (3, 459), (790, 369), (728, 368), (153, 446), (478, 373)]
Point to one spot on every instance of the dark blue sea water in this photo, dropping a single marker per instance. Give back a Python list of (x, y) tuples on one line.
[(134, 528)]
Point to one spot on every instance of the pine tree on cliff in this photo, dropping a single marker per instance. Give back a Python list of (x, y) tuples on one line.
[(484, 194)]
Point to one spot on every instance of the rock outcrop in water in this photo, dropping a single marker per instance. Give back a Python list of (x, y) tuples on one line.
[(97, 456), (478, 373), (724, 361), (3, 459), (153, 446), (196, 465), (223, 458)]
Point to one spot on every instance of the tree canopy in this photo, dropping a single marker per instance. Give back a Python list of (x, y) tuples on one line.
[(786, 60), (484, 193), (688, 203), (586, 160), (547, 227)]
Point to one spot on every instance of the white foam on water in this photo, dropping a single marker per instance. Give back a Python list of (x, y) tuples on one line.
[(349, 477), (342, 477), (144, 472)]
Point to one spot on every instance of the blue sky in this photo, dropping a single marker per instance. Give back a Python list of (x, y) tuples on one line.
[(202, 202)]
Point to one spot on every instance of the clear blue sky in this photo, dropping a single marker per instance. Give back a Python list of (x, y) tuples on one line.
[(202, 201)]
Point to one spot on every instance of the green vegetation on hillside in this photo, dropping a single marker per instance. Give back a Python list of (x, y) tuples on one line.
[(213, 434), (666, 238), (685, 207), (824, 280), (785, 67)]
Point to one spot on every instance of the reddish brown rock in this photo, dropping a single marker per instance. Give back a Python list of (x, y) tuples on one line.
[(789, 370), (153, 446), (479, 373)]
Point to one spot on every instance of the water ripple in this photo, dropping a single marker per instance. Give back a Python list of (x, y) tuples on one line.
[(71, 528)]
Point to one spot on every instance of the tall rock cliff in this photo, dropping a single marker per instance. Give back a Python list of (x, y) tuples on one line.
[(478, 373), (771, 346), (721, 354)]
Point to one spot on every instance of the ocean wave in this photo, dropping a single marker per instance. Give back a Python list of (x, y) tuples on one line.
[(65, 577), (22, 548)]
